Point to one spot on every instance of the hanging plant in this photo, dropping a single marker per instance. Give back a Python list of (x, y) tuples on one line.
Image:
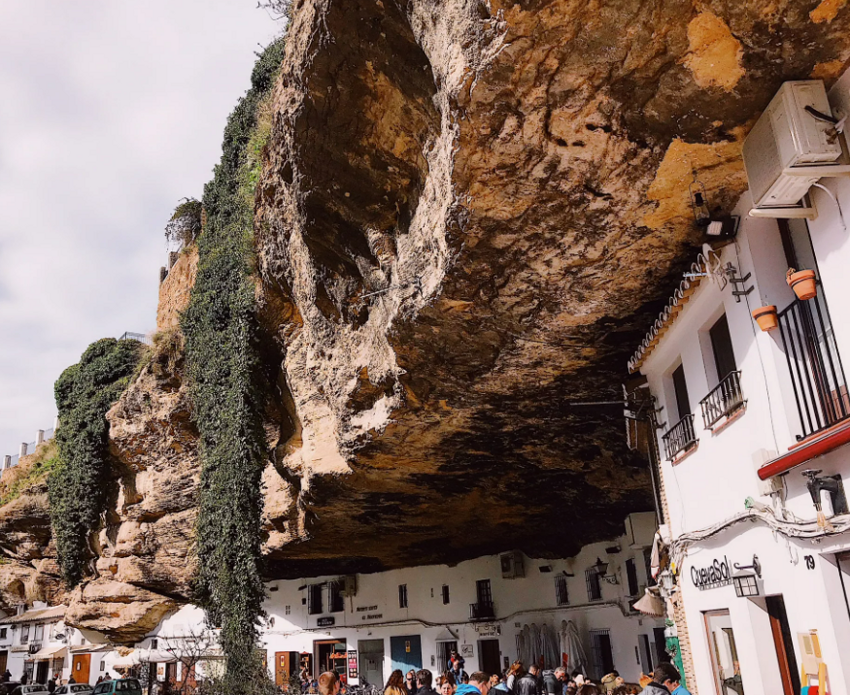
[(803, 282), (766, 317), (223, 367)]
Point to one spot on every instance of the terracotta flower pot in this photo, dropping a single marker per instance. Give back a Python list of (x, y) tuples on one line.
[(766, 317), (802, 282)]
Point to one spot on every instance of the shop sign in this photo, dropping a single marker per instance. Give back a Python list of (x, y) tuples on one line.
[(160, 672), (352, 664), (490, 629), (467, 651), (717, 574), (326, 622), (365, 609)]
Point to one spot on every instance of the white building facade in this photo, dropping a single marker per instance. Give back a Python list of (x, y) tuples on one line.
[(743, 413), (492, 610)]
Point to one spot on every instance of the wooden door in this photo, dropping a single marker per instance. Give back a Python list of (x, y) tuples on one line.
[(281, 669), (4, 658), (81, 666), (782, 641), (489, 656)]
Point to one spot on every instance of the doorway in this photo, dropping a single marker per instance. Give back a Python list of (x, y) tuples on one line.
[(489, 655), (784, 645), (406, 652), (603, 656), (285, 663), (41, 672), (444, 653), (81, 667), (330, 656), (724, 653), (4, 659), (645, 651), (371, 661)]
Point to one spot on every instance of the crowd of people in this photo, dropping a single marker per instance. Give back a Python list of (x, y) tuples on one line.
[(665, 680)]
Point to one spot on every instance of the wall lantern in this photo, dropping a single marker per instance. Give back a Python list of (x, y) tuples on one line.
[(601, 569), (746, 579), (699, 202)]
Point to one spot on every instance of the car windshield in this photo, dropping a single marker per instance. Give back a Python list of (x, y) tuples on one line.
[(130, 686)]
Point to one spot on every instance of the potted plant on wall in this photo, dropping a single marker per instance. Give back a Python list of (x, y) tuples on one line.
[(802, 282), (766, 317)]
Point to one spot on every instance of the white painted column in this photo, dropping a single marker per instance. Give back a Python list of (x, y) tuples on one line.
[(23, 450), (39, 438)]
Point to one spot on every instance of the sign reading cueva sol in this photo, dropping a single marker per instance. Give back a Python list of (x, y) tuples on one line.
[(717, 574)]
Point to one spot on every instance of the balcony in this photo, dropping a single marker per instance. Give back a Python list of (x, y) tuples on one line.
[(679, 438), (722, 401), (482, 611), (817, 375)]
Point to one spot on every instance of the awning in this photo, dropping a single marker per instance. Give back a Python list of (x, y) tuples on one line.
[(816, 445), (49, 653), (127, 661)]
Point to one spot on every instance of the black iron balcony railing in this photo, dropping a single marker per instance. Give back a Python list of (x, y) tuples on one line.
[(679, 437), (723, 400), (482, 611), (817, 375)]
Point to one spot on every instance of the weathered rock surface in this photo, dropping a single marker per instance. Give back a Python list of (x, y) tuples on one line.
[(175, 289), (466, 213)]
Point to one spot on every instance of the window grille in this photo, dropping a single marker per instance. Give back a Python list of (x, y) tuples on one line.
[(562, 596), (402, 595), (594, 586)]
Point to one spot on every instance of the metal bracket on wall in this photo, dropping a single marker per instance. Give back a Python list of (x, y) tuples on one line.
[(739, 283)]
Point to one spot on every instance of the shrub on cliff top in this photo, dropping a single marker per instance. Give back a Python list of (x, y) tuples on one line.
[(185, 223), (220, 329), (76, 486)]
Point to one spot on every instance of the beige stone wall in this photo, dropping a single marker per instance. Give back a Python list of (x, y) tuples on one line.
[(174, 290)]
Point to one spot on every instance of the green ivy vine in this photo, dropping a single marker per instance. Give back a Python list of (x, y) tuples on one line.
[(223, 366), (76, 484)]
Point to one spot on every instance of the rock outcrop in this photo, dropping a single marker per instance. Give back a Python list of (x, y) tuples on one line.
[(466, 215)]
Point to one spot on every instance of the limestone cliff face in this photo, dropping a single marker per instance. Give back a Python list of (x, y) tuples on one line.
[(466, 212)]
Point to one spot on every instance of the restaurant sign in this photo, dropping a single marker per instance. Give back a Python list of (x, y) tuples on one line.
[(713, 576)]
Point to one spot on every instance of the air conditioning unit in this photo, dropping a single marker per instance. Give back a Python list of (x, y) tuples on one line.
[(34, 648), (349, 585), (513, 566), (793, 144)]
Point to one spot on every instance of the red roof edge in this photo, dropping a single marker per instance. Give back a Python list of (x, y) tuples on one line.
[(806, 451)]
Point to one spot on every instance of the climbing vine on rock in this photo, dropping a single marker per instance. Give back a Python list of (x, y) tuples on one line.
[(76, 485), (220, 326)]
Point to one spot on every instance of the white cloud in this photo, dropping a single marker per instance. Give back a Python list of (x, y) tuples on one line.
[(110, 112)]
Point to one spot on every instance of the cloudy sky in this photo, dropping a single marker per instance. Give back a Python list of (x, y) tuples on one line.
[(110, 112)]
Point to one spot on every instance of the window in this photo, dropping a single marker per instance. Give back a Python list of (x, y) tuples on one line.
[(38, 635), (402, 595), (336, 602), (25, 634), (631, 577), (680, 389), (102, 665), (594, 586), (484, 592), (562, 596), (445, 594), (721, 346), (3, 632), (314, 599), (154, 643), (287, 610)]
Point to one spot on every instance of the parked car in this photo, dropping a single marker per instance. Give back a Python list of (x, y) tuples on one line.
[(82, 688), (125, 686), (7, 688), (34, 689)]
